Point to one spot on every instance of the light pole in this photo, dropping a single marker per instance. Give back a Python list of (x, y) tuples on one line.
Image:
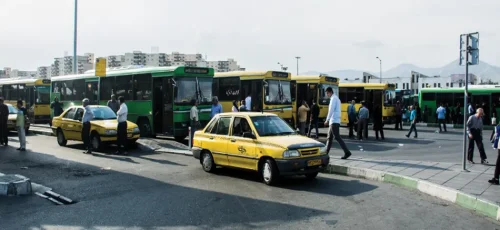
[(74, 38), (297, 65), (380, 69)]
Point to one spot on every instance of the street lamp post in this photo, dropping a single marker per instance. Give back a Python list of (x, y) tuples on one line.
[(297, 65), (74, 38), (380, 69)]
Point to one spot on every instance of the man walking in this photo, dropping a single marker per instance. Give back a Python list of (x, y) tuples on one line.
[(314, 118), (88, 115), (121, 130), (302, 111), (441, 114), (193, 115), (399, 118), (113, 104), (56, 107), (20, 120), (413, 122), (216, 107), (333, 120), (351, 115), (4, 116), (475, 132), (364, 115)]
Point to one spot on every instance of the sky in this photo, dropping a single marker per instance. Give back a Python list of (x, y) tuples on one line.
[(326, 34)]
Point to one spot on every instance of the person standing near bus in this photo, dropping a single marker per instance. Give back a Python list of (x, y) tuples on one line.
[(333, 121), (56, 106), (475, 132), (193, 117), (20, 120), (302, 111), (243, 106), (216, 107), (248, 101), (413, 121), (364, 116), (399, 116), (441, 115), (351, 115), (113, 104), (88, 116), (235, 107), (378, 123), (314, 118), (4, 117), (121, 130)]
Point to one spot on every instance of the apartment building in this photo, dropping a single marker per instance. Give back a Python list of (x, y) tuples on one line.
[(44, 72), (224, 66), (8, 72), (64, 65)]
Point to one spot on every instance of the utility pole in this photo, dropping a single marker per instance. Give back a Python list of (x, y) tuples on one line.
[(469, 47), (75, 68), (297, 65), (380, 60)]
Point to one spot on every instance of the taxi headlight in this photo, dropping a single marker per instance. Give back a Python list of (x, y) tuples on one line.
[(322, 150), (110, 132), (291, 153), (136, 130)]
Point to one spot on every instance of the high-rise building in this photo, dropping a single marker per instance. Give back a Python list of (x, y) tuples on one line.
[(135, 58), (224, 66), (44, 72), (64, 65)]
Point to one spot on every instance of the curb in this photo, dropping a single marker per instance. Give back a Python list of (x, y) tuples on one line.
[(41, 132), (15, 185), (175, 151), (487, 208)]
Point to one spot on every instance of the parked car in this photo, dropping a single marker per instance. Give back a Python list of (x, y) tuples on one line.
[(103, 129), (260, 142), (11, 122)]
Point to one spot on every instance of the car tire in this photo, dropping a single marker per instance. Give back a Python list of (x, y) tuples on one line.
[(207, 162), (311, 176), (61, 140), (95, 141), (269, 172)]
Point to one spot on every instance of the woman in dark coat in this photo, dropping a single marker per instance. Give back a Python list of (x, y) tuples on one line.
[(378, 124)]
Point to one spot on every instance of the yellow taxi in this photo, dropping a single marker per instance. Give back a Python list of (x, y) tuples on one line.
[(260, 142), (11, 122), (103, 128)]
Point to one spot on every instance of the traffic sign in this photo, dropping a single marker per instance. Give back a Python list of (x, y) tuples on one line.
[(100, 67)]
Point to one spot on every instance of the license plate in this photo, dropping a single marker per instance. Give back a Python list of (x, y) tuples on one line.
[(314, 162)]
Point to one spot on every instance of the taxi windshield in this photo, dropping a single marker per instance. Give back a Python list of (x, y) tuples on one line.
[(12, 110), (271, 126), (103, 113)]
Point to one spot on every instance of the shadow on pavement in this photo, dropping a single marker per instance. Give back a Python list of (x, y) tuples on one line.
[(401, 164)]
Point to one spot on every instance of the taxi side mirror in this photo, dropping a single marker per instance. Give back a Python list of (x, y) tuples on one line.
[(249, 135)]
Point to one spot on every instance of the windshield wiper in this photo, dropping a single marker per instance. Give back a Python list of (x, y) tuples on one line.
[(199, 94)]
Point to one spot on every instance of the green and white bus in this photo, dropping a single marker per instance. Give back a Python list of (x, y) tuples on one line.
[(430, 98), (158, 98)]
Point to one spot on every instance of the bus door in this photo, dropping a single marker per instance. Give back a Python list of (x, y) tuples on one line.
[(92, 91), (163, 105), (30, 102)]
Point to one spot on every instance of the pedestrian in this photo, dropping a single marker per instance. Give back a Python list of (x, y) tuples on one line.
[(441, 115), (113, 104), (216, 107), (243, 106), (20, 121), (314, 118), (494, 123), (4, 117), (458, 114), (495, 140), (56, 107), (121, 130), (235, 106), (399, 116), (333, 121), (419, 112), (378, 123), (193, 117), (413, 122), (351, 115), (363, 117), (471, 110), (88, 116), (475, 132), (248, 102), (302, 112)]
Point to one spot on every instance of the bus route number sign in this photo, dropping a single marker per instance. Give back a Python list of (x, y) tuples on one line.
[(280, 74), (330, 79), (196, 70)]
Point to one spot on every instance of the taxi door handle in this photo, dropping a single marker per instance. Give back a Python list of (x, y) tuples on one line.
[(233, 140), (211, 138)]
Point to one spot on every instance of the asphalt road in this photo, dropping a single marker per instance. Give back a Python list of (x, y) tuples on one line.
[(148, 191)]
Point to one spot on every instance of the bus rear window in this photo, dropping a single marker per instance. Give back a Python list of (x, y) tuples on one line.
[(428, 96)]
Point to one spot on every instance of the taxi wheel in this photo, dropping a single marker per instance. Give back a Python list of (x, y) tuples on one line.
[(61, 140), (95, 140), (312, 175), (269, 172), (207, 162)]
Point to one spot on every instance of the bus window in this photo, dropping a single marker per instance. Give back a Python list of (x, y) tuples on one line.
[(355, 94), (14, 95), (21, 92), (107, 88), (124, 87), (390, 97), (79, 90), (428, 96), (42, 95), (142, 86), (278, 92), (323, 98), (229, 89)]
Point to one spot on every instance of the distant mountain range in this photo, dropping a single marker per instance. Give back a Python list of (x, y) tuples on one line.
[(484, 71)]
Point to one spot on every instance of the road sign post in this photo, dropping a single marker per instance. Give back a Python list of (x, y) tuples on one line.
[(100, 67), (469, 50)]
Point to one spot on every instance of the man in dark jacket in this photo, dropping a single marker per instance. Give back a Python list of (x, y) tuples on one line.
[(351, 115), (56, 106), (4, 116), (314, 118)]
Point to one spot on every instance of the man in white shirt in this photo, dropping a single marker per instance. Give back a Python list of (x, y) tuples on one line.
[(333, 122), (193, 116), (121, 138), (248, 102)]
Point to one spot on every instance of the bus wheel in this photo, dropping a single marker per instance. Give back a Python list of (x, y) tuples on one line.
[(144, 127), (180, 138)]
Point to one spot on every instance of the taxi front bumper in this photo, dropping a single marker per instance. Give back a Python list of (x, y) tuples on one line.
[(300, 166)]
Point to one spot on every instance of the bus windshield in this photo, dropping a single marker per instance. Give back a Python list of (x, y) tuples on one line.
[(42, 95), (278, 92), (197, 88), (323, 98), (390, 97)]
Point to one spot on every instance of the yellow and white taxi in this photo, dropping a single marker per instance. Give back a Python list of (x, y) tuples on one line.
[(103, 128), (260, 142)]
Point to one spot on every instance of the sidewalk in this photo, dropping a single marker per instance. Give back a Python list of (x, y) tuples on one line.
[(447, 181)]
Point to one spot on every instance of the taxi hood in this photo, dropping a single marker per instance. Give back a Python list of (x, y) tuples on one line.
[(292, 142), (111, 124)]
